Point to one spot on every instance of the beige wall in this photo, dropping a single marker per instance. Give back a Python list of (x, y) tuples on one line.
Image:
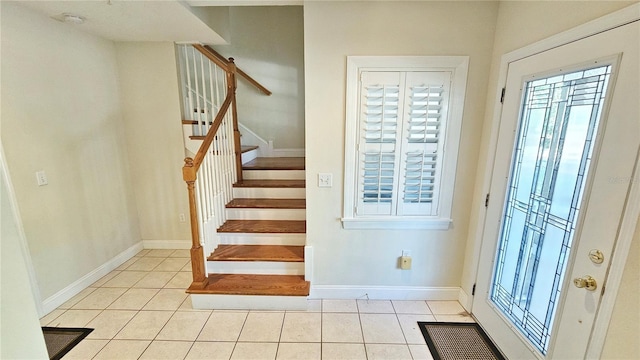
[(21, 333), (267, 43), (334, 30), (61, 113), (518, 25), (151, 112)]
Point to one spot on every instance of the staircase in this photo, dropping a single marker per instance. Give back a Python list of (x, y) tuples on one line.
[(247, 214), (259, 262)]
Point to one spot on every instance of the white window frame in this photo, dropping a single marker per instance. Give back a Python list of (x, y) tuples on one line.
[(458, 67)]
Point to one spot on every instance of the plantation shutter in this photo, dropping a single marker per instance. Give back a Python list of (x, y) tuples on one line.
[(402, 123), (381, 98), (426, 108)]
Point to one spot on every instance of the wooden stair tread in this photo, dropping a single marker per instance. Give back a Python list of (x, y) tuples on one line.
[(271, 184), (193, 122), (267, 204), (247, 148), (283, 253), (196, 137), (264, 226), (249, 284), (275, 163)]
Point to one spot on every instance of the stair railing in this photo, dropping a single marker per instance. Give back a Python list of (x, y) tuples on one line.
[(210, 104)]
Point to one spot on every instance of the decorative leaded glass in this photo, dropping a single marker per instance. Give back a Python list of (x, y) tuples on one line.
[(557, 130)]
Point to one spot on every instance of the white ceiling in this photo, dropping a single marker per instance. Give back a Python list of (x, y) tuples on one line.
[(243, 2), (131, 20)]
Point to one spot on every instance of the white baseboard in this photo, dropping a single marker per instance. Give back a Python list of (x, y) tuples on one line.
[(384, 292), (166, 244), (287, 153), (59, 298), (465, 300), (248, 302)]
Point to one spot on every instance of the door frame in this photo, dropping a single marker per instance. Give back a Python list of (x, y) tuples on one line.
[(22, 238), (632, 207)]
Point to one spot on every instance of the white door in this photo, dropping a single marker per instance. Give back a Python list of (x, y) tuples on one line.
[(568, 141)]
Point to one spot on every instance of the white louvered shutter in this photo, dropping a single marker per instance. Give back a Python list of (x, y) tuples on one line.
[(423, 133), (381, 101)]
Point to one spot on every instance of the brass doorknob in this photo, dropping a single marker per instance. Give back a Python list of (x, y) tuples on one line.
[(586, 282)]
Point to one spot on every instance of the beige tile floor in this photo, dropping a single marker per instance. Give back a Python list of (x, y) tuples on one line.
[(141, 311)]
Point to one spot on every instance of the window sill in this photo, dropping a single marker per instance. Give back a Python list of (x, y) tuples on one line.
[(406, 223)]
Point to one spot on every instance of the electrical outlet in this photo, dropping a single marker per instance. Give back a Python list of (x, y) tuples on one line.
[(182, 218), (325, 180), (405, 262), (41, 177)]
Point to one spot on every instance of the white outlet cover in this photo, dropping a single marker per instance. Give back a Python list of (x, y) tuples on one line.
[(325, 180), (41, 178)]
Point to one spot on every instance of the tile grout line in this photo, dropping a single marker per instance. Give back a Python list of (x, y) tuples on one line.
[(199, 332), (137, 313), (165, 324), (364, 343), (235, 344)]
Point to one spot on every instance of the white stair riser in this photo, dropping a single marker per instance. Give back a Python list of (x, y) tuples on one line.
[(249, 155), (266, 214), (269, 193), (256, 267), (191, 145), (248, 302), (261, 239), (273, 174)]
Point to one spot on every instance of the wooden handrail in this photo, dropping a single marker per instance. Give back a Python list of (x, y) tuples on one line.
[(191, 166), (189, 174), (208, 139), (251, 80), (223, 63)]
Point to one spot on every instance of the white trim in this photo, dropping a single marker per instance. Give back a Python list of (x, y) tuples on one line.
[(166, 244), (308, 263), (273, 174), (261, 239), (22, 237), (59, 298), (631, 214), (251, 138), (607, 22), (458, 66), (287, 152), (256, 267), (248, 302), (383, 292), (602, 24), (396, 222), (250, 155), (265, 214), (464, 300), (265, 148)]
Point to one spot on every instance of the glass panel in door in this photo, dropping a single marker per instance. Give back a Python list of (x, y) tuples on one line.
[(558, 125)]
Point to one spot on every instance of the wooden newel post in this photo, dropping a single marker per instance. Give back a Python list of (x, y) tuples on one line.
[(231, 82), (197, 256)]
